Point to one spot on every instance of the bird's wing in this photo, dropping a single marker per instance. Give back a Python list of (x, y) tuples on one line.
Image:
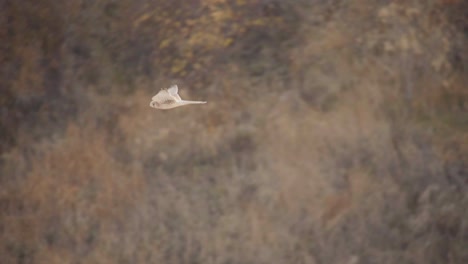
[(173, 90), (163, 96)]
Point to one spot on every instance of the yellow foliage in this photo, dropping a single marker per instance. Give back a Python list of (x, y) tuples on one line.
[(164, 43), (221, 16), (178, 65), (227, 42), (217, 27), (212, 2), (141, 19)]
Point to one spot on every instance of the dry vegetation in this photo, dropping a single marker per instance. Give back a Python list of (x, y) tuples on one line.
[(336, 132)]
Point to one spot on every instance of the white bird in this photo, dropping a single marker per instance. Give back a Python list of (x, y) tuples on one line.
[(169, 98)]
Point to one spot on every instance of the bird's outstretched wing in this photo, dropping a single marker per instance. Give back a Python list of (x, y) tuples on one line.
[(163, 96), (174, 91)]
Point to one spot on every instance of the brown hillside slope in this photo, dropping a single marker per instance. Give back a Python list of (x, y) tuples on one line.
[(335, 132)]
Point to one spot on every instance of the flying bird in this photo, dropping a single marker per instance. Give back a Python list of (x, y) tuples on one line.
[(169, 98)]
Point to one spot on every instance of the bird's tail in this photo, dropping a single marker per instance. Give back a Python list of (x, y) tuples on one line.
[(193, 102)]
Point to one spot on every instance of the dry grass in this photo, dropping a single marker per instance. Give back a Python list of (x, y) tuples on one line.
[(353, 150)]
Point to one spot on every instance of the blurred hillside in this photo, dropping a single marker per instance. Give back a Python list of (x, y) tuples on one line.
[(335, 131)]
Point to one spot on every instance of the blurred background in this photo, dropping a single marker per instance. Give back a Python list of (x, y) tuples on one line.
[(335, 131)]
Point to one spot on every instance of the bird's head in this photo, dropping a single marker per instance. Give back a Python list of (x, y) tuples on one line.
[(154, 104)]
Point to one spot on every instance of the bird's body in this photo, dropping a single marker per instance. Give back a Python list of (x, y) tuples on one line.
[(169, 98)]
